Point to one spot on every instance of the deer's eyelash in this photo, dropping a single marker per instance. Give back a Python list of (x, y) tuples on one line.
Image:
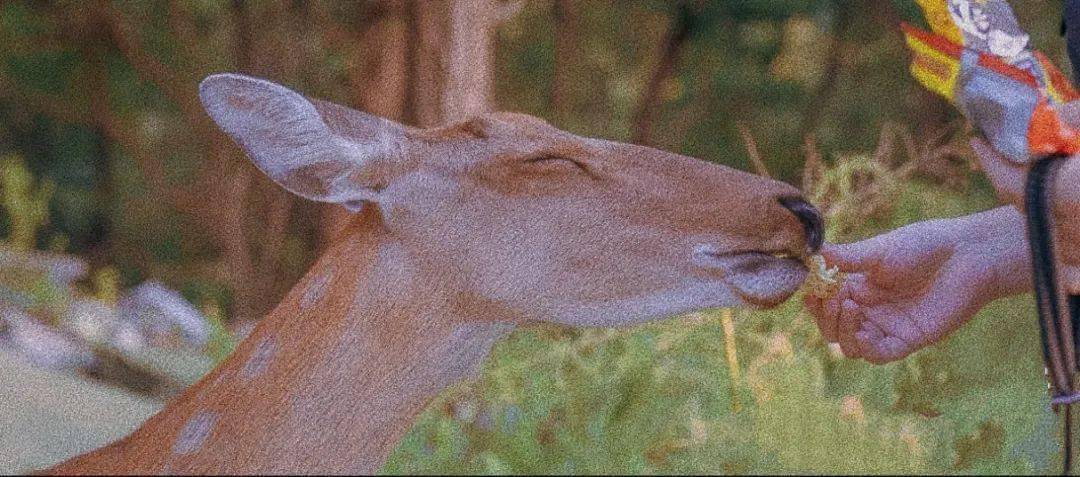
[(547, 157), (555, 157)]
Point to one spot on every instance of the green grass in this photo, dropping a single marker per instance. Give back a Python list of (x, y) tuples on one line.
[(657, 399)]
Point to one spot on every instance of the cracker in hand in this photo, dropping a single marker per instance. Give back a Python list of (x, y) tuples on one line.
[(823, 281)]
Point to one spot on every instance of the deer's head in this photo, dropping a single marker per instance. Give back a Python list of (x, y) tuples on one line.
[(508, 210)]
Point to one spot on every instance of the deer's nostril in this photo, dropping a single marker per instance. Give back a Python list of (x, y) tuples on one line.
[(810, 218)]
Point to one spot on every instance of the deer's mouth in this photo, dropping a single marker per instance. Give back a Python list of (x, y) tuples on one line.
[(761, 279)]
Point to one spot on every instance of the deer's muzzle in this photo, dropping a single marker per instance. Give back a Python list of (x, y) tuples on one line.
[(811, 220)]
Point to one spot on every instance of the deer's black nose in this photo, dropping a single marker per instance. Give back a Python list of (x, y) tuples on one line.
[(811, 220)]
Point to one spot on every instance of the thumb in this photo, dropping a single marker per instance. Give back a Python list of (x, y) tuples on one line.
[(1006, 176), (853, 257)]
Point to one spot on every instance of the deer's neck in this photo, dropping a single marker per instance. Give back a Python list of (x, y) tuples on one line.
[(329, 382)]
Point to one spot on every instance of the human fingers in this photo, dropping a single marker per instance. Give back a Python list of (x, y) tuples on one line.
[(829, 323), (816, 307), (879, 347), (853, 257), (850, 320)]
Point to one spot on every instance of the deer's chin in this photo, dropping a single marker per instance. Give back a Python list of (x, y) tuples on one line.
[(737, 279), (759, 279), (771, 283)]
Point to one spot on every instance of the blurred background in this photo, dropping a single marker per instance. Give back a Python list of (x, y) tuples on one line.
[(140, 245)]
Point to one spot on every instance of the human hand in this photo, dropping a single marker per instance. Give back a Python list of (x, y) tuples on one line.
[(909, 288)]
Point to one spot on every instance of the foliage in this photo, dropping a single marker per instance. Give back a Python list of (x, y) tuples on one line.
[(221, 343), (25, 203)]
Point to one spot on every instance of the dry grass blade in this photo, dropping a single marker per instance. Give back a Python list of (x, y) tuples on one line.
[(885, 154), (751, 148), (944, 155), (885, 146), (728, 322), (813, 166)]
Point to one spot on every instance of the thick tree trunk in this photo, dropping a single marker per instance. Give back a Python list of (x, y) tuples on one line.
[(567, 15), (681, 28), (424, 63), (378, 80), (452, 55)]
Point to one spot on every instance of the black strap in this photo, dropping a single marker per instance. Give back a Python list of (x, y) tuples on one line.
[(1070, 27), (1058, 311)]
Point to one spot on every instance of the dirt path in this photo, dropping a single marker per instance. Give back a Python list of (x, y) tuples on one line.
[(46, 417)]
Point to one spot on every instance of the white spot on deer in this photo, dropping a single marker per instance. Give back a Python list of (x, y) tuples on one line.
[(195, 432), (316, 289), (260, 359), (224, 375)]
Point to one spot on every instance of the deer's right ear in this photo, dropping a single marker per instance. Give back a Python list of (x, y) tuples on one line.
[(316, 150)]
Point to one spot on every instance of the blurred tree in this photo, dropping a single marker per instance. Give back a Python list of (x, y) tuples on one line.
[(687, 15), (129, 73), (567, 18), (452, 71), (427, 63), (378, 72)]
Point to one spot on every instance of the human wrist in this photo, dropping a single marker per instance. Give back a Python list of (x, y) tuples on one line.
[(996, 241)]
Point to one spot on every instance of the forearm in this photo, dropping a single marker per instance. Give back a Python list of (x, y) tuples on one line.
[(999, 238)]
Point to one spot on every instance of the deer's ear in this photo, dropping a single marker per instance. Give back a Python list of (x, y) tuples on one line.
[(317, 150)]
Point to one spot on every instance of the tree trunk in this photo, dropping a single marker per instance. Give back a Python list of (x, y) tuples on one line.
[(424, 63), (451, 59), (649, 107), (378, 72), (567, 42)]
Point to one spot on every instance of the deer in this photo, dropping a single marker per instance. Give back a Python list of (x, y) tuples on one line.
[(458, 234)]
